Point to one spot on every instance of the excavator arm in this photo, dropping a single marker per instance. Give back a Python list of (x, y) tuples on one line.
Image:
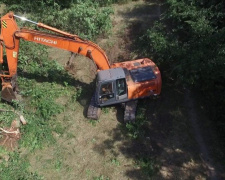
[(11, 35)]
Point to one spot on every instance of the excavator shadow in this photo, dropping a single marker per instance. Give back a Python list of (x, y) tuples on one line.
[(120, 113), (55, 76), (85, 96), (61, 78)]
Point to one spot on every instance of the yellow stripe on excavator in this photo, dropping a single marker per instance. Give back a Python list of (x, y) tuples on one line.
[(4, 24)]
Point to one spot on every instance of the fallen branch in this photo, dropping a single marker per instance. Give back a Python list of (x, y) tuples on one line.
[(10, 132)]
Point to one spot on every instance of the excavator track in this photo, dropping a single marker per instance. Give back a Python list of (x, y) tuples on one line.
[(94, 110), (130, 111)]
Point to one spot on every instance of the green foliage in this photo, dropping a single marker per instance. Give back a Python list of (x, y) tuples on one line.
[(16, 168), (135, 129), (36, 6), (7, 117), (106, 110), (109, 2), (85, 18), (148, 166), (39, 5), (93, 122), (189, 44), (77, 94), (40, 105), (101, 178), (58, 165), (34, 63), (42, 96), (183, 41), (39, 109), (115, 162)]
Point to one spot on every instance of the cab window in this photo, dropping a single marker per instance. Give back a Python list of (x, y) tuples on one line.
[(106, 89), (120, 87), (106, 92)]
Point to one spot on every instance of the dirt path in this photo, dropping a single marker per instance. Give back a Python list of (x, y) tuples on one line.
[(207, 160), (129, 21)]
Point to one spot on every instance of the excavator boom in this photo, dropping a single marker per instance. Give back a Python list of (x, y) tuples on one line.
[(11, 35)]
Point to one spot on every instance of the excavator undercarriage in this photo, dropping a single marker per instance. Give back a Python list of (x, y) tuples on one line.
[(94, 111)]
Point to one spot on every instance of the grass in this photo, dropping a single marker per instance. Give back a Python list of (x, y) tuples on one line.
[(101, 177), (135, 129), (39, 107), (115, 162), (148, 165), (16, 167), (93, 122)]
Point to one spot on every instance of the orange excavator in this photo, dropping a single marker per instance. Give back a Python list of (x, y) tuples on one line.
[(123, 82)]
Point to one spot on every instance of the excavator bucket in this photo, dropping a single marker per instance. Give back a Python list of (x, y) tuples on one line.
[(7, 93)]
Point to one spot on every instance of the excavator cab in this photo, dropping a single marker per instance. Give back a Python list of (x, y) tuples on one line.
[(111, 87)]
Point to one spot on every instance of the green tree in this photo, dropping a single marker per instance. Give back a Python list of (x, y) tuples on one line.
[(189, 42)]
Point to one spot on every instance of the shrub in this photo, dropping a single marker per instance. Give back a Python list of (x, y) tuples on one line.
[(189, 43), (85, 18)]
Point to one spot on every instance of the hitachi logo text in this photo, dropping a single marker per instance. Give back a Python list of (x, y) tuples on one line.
[(49, 41)]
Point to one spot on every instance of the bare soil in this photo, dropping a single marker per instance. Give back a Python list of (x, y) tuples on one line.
[(90, 149)]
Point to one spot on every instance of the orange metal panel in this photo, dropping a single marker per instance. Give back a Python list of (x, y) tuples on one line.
[(11, 43), (75, 45), (141, 89)]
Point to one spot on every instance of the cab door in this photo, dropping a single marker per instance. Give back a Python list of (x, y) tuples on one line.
[(121, 89)]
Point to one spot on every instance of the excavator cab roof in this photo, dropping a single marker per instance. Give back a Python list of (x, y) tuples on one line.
[(111, 74), (142, 74)]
